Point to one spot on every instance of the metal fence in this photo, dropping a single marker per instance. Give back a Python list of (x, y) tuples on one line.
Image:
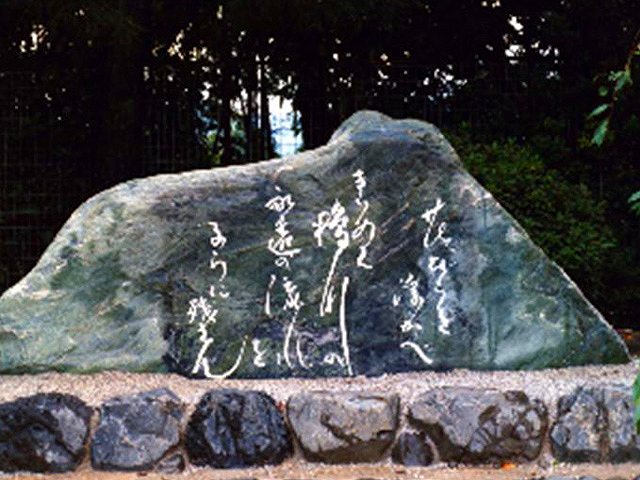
[(46, 168)]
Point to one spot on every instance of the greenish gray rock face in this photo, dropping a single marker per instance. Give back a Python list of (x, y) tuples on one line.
[(376, 253)]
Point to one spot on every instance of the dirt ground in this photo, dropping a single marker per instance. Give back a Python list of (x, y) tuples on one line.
[(548, 385)]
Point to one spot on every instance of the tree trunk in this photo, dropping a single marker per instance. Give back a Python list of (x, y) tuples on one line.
[(250, 115), (225, 94), (265, 130), (226, 119)]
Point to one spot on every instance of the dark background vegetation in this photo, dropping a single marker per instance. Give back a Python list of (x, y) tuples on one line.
[(96, 92)]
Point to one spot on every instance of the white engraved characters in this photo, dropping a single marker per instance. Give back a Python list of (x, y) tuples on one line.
[(336, 223), (419, 351), (430, 216), (203, 310), (416, 301), (259, 354), (437, 265), (435, 235), (365, 228), (410, 286), (281, 246)]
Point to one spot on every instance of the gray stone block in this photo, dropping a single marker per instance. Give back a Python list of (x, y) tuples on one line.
[(343, 427), (481, 426), (135, 432), (596, 425)]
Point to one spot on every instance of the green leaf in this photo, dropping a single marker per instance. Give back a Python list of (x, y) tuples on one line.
[(615, 75), (598, 110), (634, 200), (600, 133), (636, 402), (603, 91), (623, 80)]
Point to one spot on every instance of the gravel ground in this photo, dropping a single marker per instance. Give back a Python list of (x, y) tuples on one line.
[(547, 385), (293, 471)]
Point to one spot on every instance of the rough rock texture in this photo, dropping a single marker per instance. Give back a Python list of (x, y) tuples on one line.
[(234, 428), (136, 431), (596, 425), (43, 433), (172, 464), (412, 449), (481, 426), (346, 427), (446, 279)]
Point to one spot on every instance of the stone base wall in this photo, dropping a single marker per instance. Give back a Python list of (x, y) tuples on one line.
[(238, 428)]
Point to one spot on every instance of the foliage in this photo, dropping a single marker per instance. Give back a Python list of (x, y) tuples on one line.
[(238, 143), (614, 87), (617, 82), (562, 217), (634, 200)]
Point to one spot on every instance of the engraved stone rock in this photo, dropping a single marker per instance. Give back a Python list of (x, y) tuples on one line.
[(343, 427), (481, 426), (596, 425), (377, 253), (135, 432), (235, 428), (43, 433)]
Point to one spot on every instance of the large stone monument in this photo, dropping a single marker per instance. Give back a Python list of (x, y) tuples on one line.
[(376, 253)]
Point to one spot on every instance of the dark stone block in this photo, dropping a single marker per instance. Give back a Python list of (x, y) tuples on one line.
[(412, 450), (233, 428), (43, 433)]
